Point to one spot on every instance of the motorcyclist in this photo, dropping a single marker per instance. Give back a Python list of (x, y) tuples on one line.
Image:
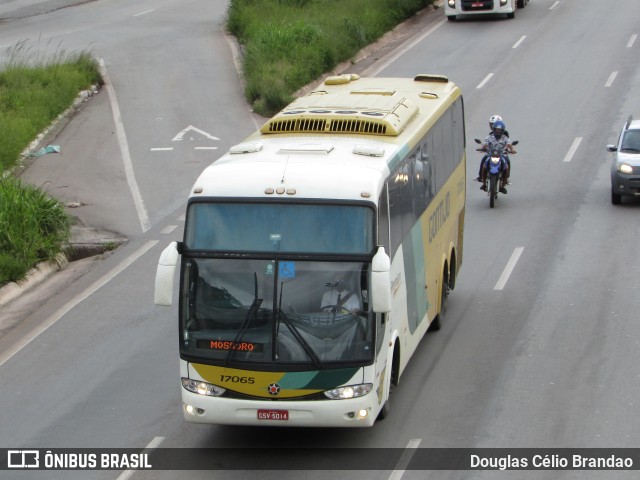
[(492, 119), (499, 138)]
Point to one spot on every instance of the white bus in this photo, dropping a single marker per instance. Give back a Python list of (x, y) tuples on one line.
[(318, 252)]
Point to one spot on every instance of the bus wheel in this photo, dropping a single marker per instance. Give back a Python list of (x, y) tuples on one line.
[(444, 294), (386, 408), (391, 381)]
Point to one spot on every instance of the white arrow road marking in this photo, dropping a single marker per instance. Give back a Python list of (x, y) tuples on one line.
[(180, 135)]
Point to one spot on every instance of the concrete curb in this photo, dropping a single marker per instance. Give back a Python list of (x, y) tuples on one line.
[(35, 276), (85, 242)]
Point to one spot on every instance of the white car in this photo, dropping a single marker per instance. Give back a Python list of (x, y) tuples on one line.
[(453, 8), (625, 167)]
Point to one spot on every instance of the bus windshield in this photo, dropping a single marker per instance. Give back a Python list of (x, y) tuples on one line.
[(249, 311), (269, 227)]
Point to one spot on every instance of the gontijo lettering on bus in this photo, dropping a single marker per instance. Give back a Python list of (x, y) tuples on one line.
[(439, 216)]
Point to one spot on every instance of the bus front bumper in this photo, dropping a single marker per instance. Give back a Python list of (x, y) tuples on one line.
[(356, 412)]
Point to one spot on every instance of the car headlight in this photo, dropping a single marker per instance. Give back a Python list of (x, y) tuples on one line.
[(503, 3), (352, 391), (624, 168), (202, 388), (452, 3)]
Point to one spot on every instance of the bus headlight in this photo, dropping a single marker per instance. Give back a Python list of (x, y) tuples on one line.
[(624, 168), (352, 391), (202, 388)]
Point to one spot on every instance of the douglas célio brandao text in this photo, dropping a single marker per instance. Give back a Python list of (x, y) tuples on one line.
[(549, 461)]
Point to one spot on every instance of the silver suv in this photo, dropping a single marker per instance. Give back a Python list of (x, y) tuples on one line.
[(625, 169)]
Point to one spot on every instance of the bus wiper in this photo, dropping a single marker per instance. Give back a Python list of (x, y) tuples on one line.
[(303, 343), (276, 325), (253, 310)]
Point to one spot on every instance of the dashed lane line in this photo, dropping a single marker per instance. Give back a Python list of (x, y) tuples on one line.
[(406, 457), (504, 278)]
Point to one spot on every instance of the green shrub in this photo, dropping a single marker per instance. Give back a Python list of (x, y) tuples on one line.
[(33, 228), (289, 43)]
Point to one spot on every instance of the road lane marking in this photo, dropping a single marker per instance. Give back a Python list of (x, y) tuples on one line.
[(143, 216), (484, 82), (517, 44), (502, 281), (555, 4), (144, 13), (573, 149), (632, 40), (153, 444), (180, 136), (611, 79), (168, 229), (161, 149), (66, 308), (406, 457), (205, 148), (384, 63)]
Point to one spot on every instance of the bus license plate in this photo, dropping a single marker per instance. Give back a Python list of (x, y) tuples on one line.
[(273, 414)]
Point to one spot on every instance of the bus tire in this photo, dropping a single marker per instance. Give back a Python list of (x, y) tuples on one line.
[(392, 380), (436, 324)]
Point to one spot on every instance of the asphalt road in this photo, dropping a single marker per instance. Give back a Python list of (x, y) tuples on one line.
[(540, 344)]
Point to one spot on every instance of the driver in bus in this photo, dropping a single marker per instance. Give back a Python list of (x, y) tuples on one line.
[(339, 299)]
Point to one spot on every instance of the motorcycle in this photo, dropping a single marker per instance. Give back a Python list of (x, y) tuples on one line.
[(495, 165)]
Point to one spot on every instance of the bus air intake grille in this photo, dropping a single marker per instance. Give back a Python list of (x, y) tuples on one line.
[(298, 125), (360, 114), (357, 126), (312, 125)]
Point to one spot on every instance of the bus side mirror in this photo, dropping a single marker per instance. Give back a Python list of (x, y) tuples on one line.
[(164, 275), (381, 282)]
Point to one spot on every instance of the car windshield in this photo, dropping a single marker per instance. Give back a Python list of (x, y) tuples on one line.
[(630, 141), (239, 311)]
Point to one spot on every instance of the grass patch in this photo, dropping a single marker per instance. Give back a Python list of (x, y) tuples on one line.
[(289, 43), (33, 228), (34, 91)]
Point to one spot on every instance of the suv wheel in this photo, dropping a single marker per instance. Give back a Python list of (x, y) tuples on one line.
[(615, 198)]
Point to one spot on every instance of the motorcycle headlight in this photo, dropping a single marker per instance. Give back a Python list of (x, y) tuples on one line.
[(495, 160)]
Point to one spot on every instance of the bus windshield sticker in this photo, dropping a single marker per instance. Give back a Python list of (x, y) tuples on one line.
[(268, 270), (287, 270)]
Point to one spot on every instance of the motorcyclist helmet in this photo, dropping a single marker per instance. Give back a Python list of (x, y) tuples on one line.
[(493, 119), (498, 128)]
